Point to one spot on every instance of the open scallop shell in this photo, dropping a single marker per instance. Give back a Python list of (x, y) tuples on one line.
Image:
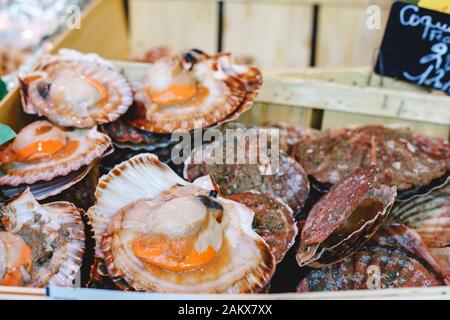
[(247, 267), (76, 90), (55, 234), (224, 91), (273, 221), (430, 217), (279, 176), (412, 162), (83, 147), (372, 268), (344, 219)]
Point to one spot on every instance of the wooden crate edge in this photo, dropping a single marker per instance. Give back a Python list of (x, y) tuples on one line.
[(366, 100)]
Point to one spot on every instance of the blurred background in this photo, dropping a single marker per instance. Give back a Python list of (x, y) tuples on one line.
[(268, 33), (271, 34)]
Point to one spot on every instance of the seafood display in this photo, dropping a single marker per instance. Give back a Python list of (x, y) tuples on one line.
[(371, 268), (283, 179), (255, 209), (344, 219), (40, 244), (409, 161), (77, 90), (167, 235), (193, 90)]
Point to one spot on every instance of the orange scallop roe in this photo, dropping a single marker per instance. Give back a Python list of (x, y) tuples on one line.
[(39, 149), (100, 88), (14, 276), (174, 94), (173, 255)]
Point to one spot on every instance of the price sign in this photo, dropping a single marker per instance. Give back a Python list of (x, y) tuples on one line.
[(415, 47)]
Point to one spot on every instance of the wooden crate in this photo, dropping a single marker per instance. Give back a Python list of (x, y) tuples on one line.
[(333, 98)]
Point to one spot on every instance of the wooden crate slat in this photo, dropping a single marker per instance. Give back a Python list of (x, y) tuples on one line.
[(358, 3), (20, 293), (362, 77), (103, 30), (275, 35), (335, 119), (263, 113), (344, 39), (405, 105), (180, 25)]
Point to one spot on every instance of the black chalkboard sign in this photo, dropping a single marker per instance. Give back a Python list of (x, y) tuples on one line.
[(415, 47)]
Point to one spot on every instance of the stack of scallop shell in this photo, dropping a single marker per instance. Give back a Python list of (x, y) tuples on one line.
[(53, 160), (355, 208), (57, 156), (349, 234)]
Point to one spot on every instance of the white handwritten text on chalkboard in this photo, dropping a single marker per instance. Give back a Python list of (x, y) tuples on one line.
[(415, 47)]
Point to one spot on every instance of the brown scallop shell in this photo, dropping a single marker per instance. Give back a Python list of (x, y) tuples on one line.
[(242, 82), (273, 221), (344, 219), (404, 159), (372, 268)]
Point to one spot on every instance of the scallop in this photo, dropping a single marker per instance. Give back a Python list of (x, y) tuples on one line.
[(49, 159), (193, 90), (156, 232), (372, 268), (250, 167), (77, 90), (40, 245), (344, 219), (430, 216), (414, 163)]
